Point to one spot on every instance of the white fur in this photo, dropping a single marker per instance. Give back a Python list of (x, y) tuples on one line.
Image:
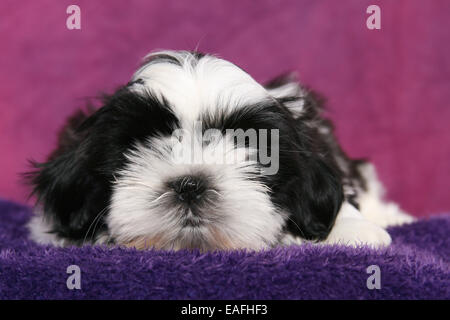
[(366, 226), (374, 207), (352, 228), (40, 231), (244, 213), (199, 87), (247, 216)]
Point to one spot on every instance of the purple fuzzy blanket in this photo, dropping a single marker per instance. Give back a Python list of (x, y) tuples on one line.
[(416, 266)]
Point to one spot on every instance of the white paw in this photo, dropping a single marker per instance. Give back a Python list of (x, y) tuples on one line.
[(357, 232), (397, 217)]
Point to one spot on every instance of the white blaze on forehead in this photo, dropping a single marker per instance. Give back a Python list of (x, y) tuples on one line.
[(199, 86)]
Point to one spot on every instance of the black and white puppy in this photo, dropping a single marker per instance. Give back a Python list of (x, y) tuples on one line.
[(140, 172)]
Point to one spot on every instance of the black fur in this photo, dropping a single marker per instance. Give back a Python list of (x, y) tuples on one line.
[(74, 186), (307, 184), (328, 169)]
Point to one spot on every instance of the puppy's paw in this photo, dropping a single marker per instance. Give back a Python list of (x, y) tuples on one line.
[(357, 232), (396, 217)]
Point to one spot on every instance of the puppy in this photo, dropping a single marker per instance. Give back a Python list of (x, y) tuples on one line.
[(194, 153)]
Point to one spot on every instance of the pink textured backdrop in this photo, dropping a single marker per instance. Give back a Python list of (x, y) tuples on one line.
[(388, 90)]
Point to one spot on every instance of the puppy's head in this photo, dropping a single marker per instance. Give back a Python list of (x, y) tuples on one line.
[(191, 153)]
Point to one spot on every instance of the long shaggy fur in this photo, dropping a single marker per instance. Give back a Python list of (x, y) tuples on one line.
[(118, 175)]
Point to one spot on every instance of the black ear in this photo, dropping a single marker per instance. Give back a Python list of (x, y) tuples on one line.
[(313, 199), (72, 133), (311, 187), (66, 186)]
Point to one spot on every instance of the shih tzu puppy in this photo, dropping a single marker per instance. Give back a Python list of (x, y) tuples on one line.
[(194, 153)]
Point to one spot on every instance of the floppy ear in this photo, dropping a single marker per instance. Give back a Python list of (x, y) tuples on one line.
[(314, 200), (65, 186), (72, 133), (314, 193)]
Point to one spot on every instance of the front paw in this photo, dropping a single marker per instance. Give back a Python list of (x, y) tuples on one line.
[(357, 232)]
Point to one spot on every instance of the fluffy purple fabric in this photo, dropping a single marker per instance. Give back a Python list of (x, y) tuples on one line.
[(416, 266)]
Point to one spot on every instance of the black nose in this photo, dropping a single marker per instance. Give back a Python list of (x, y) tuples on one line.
[(189, 188)]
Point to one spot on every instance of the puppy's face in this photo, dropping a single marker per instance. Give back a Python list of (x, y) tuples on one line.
[(192, 153)]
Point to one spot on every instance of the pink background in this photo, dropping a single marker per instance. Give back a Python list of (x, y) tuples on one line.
[(388, 90)]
